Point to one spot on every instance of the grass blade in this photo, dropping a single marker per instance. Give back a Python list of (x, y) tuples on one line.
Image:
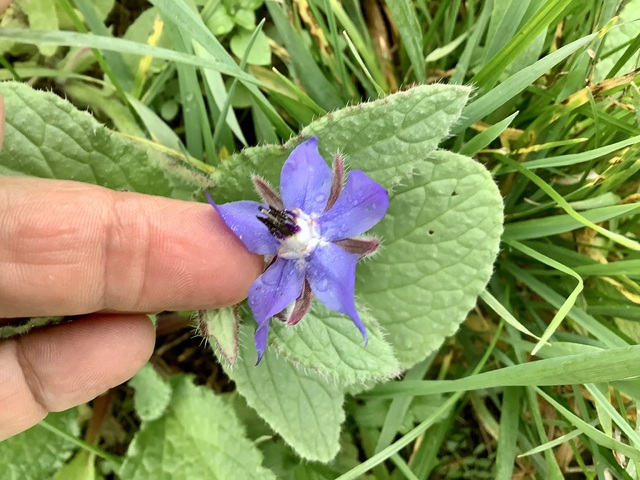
[(546, 188), (192, 26), (74, 39), (568, 303), (590, 431), (307, 70), (573, 158), (502, 311), (544, 227), (508, 439), (516, 83), (542, 19), (601, 366), (438, 414), (486, 137), (406, 20)]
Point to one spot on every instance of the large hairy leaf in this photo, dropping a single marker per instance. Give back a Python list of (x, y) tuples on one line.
[(48, 137), (330, 344), (441, 238), (386, 138), (304, 408), (37, 453), (198, 436)]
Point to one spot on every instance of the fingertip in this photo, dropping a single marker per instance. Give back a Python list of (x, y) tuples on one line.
[(75, 362), (121, 251), (190, 260)]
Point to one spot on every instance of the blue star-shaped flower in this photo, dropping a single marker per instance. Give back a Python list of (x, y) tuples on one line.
[(308, 232)]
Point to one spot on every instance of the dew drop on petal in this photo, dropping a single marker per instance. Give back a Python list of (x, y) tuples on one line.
[(320, 198), (340, 229), (269, 279), (322, 285)]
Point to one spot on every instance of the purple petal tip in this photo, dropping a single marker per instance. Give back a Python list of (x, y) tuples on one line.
[(209, 199)]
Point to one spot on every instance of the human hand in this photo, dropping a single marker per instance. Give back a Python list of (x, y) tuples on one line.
[(68, 248)]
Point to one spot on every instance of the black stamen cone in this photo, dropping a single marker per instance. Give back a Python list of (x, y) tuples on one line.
[(280, 223)]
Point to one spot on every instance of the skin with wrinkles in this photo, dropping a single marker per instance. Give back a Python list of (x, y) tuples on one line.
[(129, 252), (68, 248), (71, 249)]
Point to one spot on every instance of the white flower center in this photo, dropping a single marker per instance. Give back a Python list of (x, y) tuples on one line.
[(304, 241)]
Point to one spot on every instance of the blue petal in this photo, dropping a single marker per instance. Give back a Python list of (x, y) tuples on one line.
[(361, 205), (241, 218), (260, 340), (331, 273), (305, 181), (271, 293)]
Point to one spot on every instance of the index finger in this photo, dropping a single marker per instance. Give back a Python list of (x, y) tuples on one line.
[(69, 248)]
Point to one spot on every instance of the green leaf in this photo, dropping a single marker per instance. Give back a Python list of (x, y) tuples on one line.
[(42, 16), (245, 19), (106, 103), (115, 68), (330, 344), (484, 138), (191, 26), (37, 453), (283, 461), (260, 53), (219, 22), (152, 395), (81, 467), (48, 137), (198, 437), (440, 238), (305, 409), (386, 138), (221, 328), (592, 432)]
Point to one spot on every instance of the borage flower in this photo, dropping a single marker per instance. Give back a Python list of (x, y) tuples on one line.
[(308, 235)]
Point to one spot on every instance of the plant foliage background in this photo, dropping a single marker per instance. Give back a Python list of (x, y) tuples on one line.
[(470, 113)]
